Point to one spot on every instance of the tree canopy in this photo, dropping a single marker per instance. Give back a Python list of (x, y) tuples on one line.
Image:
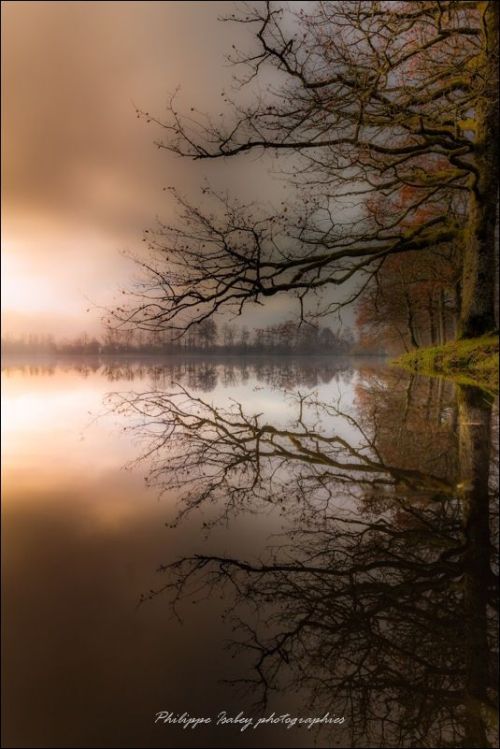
[(389, 114)]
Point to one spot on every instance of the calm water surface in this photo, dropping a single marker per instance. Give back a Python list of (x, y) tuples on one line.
[(307, 536)]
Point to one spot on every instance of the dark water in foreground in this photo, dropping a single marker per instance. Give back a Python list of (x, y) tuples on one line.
[(325, 530)]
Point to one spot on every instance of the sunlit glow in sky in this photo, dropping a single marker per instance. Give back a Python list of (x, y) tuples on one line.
[(81, 176), (21, 291)]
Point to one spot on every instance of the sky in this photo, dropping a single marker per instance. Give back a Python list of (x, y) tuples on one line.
[(81, 176)]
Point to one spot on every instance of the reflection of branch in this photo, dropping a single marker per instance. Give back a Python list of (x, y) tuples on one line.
[(360, 613), (370, 618), (214, 452), (383, 613)]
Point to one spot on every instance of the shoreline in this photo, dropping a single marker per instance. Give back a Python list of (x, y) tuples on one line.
[(467, 362)]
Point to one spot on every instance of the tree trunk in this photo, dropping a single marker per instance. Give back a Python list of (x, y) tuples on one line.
[(478, 274), (411, 322), (432, 320), (442, 317), (458, 307)]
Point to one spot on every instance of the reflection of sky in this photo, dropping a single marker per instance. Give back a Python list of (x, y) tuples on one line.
[(63, 406), (57, 430), (82, 539)]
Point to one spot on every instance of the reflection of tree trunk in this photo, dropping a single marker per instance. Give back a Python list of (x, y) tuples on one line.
[(439, 400), (474, 455), (431, 382), (409, 398), (478, 274)]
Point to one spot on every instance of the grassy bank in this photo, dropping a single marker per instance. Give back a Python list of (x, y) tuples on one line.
[(473, 362)]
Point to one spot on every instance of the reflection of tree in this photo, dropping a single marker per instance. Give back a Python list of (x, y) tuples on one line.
[(415, 423), (474, 440), (216, 452), (379, 602), (198, 373)]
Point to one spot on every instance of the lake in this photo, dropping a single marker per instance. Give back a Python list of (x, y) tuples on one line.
[(280, 539)]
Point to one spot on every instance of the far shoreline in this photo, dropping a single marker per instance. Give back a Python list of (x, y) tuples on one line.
[(189, 355)]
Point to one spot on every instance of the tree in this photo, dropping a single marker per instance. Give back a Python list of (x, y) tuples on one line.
[(413, 301), (390, 111), (207, 333), (228, 336)]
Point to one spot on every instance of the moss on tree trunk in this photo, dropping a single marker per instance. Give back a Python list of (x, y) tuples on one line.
[(477, 314)]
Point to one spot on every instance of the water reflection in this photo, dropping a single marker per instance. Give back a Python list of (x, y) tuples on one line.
[(197, 373), (336, 512), (378, 599)]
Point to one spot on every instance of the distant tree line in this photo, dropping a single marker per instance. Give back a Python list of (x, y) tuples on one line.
[(205, 337)]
